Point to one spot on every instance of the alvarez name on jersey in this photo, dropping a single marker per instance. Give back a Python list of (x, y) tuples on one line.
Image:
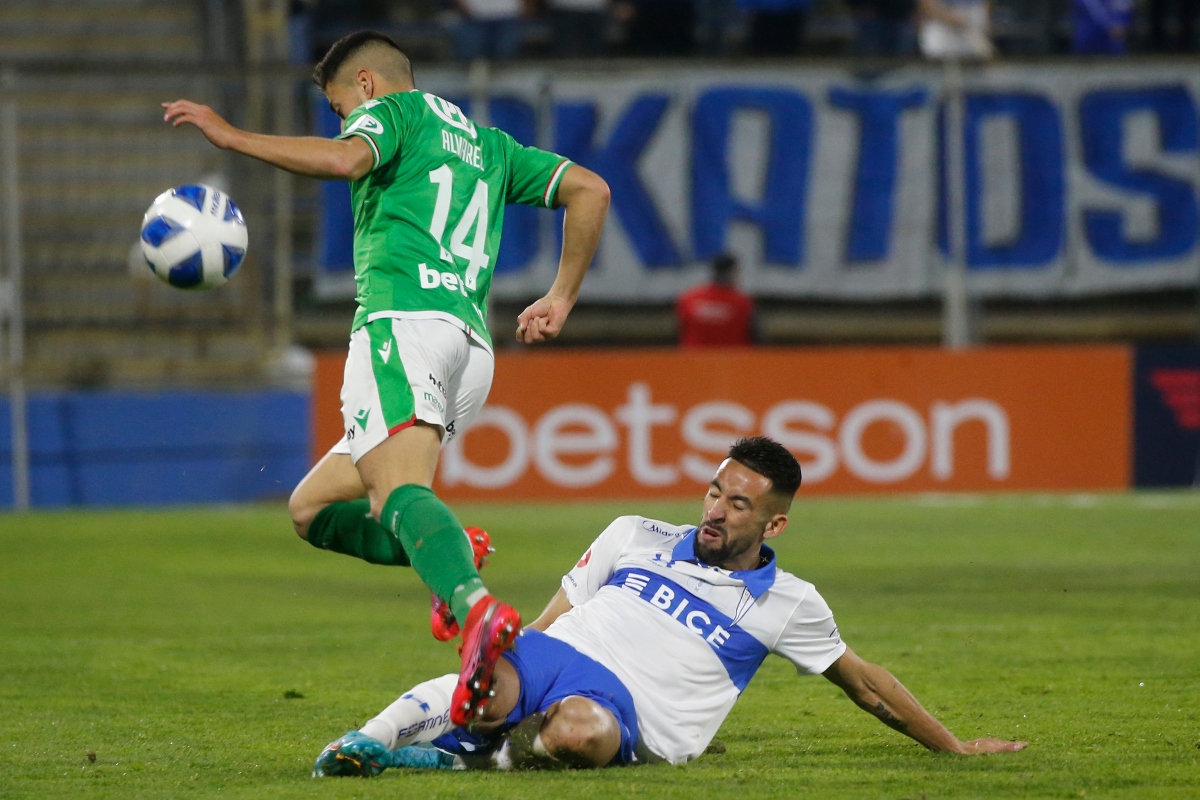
[(428, 216), (686, 638)]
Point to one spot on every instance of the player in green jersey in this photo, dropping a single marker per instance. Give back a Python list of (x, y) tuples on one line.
[(428, 187)]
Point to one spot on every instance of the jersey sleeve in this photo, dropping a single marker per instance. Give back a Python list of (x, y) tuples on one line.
[(533, 175), (811, 640), (599, 562), (378, 124)]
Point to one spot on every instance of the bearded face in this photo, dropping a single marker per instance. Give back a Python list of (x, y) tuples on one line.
[(740, 510), (716, 546)]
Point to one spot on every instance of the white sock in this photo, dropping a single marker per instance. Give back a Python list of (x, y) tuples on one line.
[(474, 597), (421, 715), (502, 758)]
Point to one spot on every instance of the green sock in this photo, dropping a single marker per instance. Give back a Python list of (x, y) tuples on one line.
[(348, 528), (433, 538)]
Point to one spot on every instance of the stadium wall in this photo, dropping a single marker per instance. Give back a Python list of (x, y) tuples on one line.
[(123, 448), (596, 424)]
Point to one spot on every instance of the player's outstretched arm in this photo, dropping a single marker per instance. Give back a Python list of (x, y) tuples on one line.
[(878, 692), (314, 156), (585, 196)]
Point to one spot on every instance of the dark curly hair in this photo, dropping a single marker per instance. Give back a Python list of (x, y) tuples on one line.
[(770, 459)]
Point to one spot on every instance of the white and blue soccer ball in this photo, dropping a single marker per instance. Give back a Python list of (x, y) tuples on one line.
[(194, 237)]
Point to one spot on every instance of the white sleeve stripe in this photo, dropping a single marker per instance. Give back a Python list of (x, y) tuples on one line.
[(554, 179), (374, 147)]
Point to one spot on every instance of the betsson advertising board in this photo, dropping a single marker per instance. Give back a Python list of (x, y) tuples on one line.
[(593, 424)]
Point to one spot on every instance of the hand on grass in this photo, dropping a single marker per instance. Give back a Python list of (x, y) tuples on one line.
[(987, 745), (211, 124), (542, 320)]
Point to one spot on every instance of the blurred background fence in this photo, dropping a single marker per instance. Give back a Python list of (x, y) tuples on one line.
[(822, 176)]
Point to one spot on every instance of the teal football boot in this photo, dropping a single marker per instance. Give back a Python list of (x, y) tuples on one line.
[(421, 756), (354, 755)]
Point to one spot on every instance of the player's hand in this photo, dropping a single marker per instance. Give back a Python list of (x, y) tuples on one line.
[(542, 320), (987, 745), (211, 124)]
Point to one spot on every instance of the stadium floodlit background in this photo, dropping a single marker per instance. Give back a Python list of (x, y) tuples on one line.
[(978, 309)]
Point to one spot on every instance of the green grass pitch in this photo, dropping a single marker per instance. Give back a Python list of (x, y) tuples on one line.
[(210, 653)]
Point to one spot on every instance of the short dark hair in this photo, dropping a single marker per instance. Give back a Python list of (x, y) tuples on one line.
[(770, 459), (345, 47)]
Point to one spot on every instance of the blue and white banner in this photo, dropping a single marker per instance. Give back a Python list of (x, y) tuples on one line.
[(1080, 178)]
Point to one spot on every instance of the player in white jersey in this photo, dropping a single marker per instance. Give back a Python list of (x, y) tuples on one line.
[(647, 646)]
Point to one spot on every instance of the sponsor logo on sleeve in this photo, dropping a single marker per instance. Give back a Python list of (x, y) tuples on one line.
[(661, 531), (367, 124)]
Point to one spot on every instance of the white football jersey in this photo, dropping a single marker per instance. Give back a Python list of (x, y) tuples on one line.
[(686, 638)]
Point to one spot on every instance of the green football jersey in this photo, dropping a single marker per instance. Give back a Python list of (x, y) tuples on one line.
[(428, 216)]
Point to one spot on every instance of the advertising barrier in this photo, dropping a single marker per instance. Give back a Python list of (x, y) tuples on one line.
[(112, 447), (1079, 178), (1167, 405), (593, 424)]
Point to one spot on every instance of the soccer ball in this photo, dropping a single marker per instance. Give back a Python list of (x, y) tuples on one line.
[(194, 237)]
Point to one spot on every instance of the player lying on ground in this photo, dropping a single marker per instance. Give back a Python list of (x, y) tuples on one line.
[(648, 644), (428, 188)]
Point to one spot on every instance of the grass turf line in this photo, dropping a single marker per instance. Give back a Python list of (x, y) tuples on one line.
[(168, 643)]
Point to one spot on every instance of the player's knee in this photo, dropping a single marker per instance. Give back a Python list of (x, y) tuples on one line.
[(506, 683), (581, 732), (377, 501), (302, 513)]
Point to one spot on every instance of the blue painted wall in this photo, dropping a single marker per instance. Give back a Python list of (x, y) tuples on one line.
[(127, 448)]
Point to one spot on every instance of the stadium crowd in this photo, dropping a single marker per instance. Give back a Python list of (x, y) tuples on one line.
[(506, 29)]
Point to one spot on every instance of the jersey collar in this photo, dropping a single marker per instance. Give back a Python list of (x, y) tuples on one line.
[(757, 581)]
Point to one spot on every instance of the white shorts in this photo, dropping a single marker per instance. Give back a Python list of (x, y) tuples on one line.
[(401, 370)]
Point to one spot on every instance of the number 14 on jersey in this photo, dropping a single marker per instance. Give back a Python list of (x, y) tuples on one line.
[(475, 216)]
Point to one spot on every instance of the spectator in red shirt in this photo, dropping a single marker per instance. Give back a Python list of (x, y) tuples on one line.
[(717, 314)]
